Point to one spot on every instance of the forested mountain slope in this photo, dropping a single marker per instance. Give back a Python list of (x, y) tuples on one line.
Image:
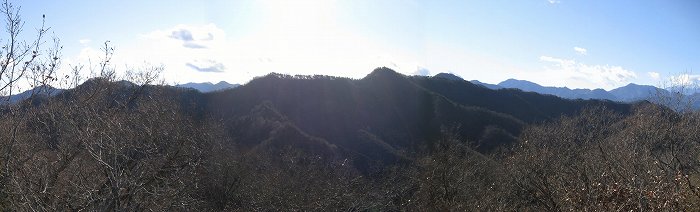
[(291, 142), (399, 113)]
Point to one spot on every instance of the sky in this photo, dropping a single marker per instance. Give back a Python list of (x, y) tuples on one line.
[(573, 43)]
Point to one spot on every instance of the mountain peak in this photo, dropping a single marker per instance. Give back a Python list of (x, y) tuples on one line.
[(511, 80), (448, 76), (208, 86), (382, 72), (515, 83), (222, 83)]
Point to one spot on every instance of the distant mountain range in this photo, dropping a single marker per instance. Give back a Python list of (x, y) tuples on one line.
[(280, 126), (208, 86), (383, 118), (629, 93), (44, 91)]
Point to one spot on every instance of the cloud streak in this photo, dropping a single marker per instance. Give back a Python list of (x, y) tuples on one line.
[(421, 71), (84, 41), (607, 76), (193, 37), (206, 66), (654, 75), (580, 50), (686, 80)]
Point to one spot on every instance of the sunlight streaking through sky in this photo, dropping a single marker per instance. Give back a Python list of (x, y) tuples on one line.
[(586, 44)]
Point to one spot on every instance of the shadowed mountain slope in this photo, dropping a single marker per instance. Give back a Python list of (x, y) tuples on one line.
[(526, 106), (387, 116), (384, 118), (557, 91)]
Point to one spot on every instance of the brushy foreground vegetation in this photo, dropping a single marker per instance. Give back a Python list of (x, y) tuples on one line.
[(429, 145), (105, 152)]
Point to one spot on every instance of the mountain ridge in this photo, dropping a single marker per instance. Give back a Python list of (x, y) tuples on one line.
[(629, 93), (387, 116), (205, 87)]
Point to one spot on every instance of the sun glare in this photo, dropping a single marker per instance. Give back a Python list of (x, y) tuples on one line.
[(305, 37)]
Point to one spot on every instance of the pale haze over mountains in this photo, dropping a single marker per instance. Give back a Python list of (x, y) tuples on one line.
[(204, 87), (208, 87), (629, 93)]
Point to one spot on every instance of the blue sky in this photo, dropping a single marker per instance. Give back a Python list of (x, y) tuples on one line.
[(579, 44)]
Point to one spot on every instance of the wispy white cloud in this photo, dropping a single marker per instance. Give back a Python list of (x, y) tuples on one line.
[(654, 75), (592, 76), (195, 37), (84, 41), (561, 62), (554, 1), (206, 66), (421, 71), (686, 80), (292, 37), (271, 48), (580, 50)]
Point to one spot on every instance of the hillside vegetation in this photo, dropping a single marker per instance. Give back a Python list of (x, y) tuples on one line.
[(386, 142)]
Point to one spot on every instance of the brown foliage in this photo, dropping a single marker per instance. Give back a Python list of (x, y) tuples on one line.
[(599, 161), (88, 153)]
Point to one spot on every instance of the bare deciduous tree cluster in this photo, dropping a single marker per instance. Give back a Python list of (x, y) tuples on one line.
[(134, 145), (106, 145), (98, 154)]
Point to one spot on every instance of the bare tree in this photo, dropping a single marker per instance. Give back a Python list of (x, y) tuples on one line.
[(602, 161), (19, 57), (104, 145)]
